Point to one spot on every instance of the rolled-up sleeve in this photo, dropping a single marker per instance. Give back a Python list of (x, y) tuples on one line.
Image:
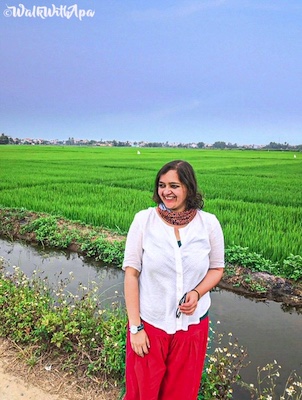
[(134, 245), (217, 245)]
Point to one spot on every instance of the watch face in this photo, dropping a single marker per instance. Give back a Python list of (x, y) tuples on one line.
[(133, 329)]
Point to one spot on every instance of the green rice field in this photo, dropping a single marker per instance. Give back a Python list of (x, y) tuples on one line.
[(256, 195)]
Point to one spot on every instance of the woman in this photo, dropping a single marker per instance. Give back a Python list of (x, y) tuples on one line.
[(174, 256)]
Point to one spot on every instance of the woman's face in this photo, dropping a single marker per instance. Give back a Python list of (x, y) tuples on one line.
[(172, 192)]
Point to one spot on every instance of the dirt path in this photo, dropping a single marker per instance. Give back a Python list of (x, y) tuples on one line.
[(13, 388), (18, 381)]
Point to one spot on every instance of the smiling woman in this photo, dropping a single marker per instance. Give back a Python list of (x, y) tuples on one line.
[(174, 256), (172, 192)]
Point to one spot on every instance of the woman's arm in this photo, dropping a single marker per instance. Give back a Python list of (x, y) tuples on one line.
[(139, 341), (211, 279)]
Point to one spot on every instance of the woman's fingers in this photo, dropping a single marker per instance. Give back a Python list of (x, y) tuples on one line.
[(140, 343), (190, 305)]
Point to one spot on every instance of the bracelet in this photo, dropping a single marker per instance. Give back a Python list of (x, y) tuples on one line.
[(194, 290)]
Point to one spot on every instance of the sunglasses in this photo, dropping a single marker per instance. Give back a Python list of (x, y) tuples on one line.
[(181, 301)]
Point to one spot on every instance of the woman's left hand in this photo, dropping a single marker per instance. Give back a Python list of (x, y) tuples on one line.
[(191, 303)]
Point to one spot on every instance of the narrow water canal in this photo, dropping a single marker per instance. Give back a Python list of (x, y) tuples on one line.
[(266, 329)]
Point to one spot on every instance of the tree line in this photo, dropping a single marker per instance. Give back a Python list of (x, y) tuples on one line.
[(5, 139)]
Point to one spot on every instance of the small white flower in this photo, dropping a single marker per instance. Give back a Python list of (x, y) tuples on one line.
[(290, 391)]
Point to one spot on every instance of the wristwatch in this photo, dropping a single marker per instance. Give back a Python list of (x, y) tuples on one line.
[(134, 329)]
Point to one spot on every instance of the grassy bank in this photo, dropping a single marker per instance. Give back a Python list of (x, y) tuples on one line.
[(108, 246)]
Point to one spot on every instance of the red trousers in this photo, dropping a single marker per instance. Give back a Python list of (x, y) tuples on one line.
[(172, 370)]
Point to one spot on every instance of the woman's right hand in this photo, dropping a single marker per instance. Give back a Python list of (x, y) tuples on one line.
[(140, 343)]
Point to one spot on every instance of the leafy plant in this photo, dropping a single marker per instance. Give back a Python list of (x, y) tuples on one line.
[(102, 249), (255, 285), (292, 267), (242, 256), (49, 233)]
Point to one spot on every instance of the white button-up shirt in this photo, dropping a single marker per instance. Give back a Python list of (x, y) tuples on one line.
[(167, 271)]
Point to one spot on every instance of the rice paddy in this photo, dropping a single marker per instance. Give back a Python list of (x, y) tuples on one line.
[(256, 195)]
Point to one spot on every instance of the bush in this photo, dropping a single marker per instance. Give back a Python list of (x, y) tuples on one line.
[(292, 267), (242, 256), (90, 338), (104, 250)]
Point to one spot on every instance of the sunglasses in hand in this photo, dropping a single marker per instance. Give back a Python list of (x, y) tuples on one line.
[(181, 301)]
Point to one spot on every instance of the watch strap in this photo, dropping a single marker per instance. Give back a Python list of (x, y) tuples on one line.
[(139, 327)]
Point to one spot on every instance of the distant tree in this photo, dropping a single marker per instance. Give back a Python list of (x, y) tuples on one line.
[(200, 145), (4, 139), (219, 145), (153, 144), (70, 141), (231, 145), (274, 145), (120, 144), (277, 146)]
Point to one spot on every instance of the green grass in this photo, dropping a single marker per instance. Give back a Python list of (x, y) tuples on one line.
[(256, 195)]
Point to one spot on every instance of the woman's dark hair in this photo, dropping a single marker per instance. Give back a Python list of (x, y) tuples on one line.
[(187, 177)]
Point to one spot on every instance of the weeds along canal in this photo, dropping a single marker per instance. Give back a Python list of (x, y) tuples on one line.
[(268, 330)]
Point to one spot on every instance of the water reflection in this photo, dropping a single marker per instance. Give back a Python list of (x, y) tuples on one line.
[(264, 328), (57, 266)]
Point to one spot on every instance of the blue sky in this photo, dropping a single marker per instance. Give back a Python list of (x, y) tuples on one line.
[(178, 71)]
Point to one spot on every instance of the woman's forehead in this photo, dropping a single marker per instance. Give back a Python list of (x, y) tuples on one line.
[(170, 176)]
